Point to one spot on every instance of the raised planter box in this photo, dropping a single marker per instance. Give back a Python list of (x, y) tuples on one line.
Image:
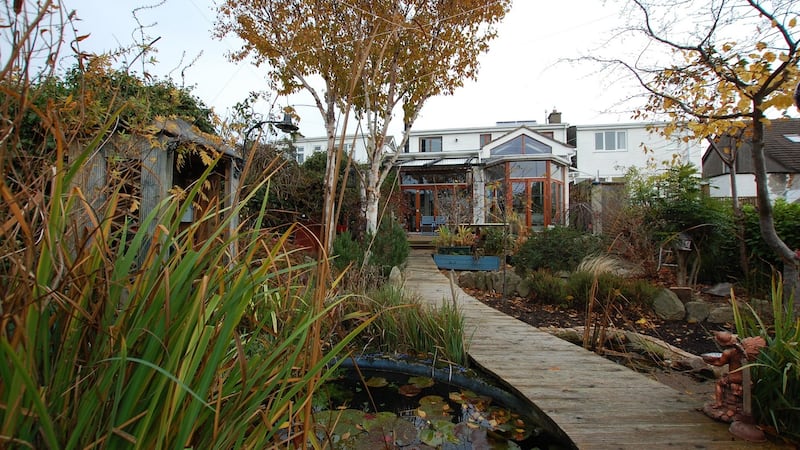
[(455, 250), (466, 262)]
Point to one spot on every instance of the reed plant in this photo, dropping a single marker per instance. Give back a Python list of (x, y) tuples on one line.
[(776, 371), (404, 324), (161, 342)]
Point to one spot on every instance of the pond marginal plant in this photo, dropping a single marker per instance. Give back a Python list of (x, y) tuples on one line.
[(162, 341), (776, 371)]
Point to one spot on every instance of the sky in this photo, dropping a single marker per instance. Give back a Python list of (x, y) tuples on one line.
[(520, 78)]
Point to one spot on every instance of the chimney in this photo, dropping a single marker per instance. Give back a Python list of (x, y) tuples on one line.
[(554, 116)]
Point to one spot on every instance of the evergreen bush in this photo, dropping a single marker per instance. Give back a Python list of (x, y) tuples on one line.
[(346, 250), (787, 224), (547, 288), (559, 248), (609, 286), (389, 246)]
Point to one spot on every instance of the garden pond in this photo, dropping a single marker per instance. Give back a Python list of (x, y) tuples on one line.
[(391, 403)]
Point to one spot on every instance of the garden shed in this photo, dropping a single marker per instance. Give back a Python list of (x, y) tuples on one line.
[(168, 157)]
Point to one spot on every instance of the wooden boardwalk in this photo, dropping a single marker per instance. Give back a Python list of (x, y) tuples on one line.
[(597, 403)]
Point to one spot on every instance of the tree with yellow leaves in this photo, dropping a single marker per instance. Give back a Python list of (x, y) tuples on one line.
[(375, 59), (730, 62)]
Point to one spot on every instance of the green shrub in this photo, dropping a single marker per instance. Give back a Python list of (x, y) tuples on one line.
[(639, 292), (496, 241), (609, 287), (390, 246), (559, 248), (787, 224), (776, 372), (346, 250), (547, 288)]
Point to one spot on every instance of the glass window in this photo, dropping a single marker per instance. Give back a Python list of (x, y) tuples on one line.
[(430, 144), (610, 140), (598, 141), (496, 173), (556, 171), (556, 201), (529, 169), (621, 138), (485, 139), (317, 148), (537, 203), (522, 145), (423, 177)]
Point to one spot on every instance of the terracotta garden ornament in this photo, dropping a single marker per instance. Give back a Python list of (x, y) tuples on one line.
[(732, 396)]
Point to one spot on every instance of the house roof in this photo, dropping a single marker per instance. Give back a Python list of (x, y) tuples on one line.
[(779, 148), (182, 131)]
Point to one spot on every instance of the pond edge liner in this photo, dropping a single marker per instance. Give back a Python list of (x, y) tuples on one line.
[(456, 375)]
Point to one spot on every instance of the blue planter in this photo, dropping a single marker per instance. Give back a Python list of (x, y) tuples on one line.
[(466, 262), (454, 250)]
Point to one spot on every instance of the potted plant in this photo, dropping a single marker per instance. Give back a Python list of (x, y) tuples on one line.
[(459, 242), (458, 250)]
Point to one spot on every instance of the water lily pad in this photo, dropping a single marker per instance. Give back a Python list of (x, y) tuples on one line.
[(433, 407), (339, 425), (439, 433), (389, 425), (409, 390), (421, 382), (377, 382)]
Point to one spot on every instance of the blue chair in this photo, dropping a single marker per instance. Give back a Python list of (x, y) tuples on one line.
[(439, 221), (426, 221)]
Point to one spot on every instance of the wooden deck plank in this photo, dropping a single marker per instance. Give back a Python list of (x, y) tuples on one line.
[(597, 403)]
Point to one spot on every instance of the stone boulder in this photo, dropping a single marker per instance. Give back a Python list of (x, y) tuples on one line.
[(524, 289), (668, 306), (720, 290), (396, 277), (511, 284), (482, 282), (720, 314), (697, 311), (467, 280)]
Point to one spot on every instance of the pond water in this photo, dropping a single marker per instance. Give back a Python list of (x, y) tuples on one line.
[(378, 403)]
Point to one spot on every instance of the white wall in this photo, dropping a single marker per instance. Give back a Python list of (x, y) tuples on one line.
[(605, 164), (780, 185), (469, 139), (320, 144)]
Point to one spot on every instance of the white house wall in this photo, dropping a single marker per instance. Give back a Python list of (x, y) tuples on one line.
[(781, 185), (604, 165), (469, 139), (309, 146), (720, 186)]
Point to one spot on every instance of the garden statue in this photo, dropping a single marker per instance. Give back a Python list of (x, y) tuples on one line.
[(732, 396)]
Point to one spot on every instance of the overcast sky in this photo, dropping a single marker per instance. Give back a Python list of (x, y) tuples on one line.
[(520, 78)]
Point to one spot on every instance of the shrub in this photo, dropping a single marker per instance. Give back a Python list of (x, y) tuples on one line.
[(346, 250), (787, 225), (639, 292), (559, 248), (547, 288), (496, 241), (609, 287), (389, 246)]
